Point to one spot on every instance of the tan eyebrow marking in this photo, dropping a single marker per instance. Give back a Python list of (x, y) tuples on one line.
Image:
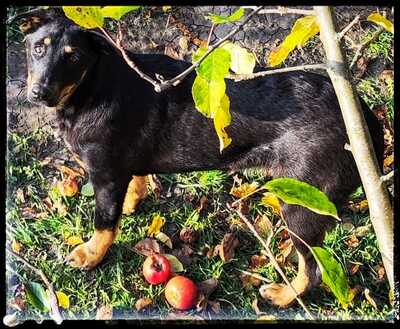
[(47, 41), (68, 49)]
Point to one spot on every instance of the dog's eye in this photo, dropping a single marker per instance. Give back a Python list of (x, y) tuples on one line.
[(39, 49)]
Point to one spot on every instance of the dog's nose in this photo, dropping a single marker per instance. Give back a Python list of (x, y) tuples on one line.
[(40, 92)]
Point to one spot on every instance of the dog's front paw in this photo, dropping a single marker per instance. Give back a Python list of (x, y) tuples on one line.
[(84, 256), (279, 294)]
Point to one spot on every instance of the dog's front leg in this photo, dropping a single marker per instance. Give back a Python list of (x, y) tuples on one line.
[(109, 194)]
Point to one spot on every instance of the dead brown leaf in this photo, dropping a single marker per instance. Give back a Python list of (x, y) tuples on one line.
[(362, 65), (352, 241), (184, 43), (257, 261), (143, 303), (369, 299), (155, 185), (188, 235), (362, 230), (262, 225), (354, 268), (226, 249), (203, 203), (386, 75), (215, 306), (171, 52), (184, 254), (104, 312), (148, 247), (388, 161), (205, 289), (20, 195), (16, 246), (286, 249), (199, 42), (71, 172)]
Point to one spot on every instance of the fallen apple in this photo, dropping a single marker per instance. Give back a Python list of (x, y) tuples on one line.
[(156, 269), (181, 293)]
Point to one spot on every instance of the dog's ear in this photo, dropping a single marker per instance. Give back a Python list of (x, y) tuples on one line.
[(31, 20), (100, 43)]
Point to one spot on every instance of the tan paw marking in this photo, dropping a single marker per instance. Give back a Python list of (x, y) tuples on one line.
[(137, 191), (91, 253)]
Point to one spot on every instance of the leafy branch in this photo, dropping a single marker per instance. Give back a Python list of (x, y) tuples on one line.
[(53, 301)]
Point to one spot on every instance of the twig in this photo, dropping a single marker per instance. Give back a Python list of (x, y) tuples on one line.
[(348, 27), (283, 10), (128, 60), (55, 311), (272, 259), (210, 34), (163, 85), (240, 77), (255, 275), (388, 177), (360, 48), (175, 81)]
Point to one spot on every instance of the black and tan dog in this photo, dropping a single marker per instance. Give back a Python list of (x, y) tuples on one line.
[(290, 124)]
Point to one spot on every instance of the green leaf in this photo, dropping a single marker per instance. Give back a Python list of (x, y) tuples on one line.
[(242, 61), (304, 28), (87, 190), (89, 17), (381, 21), (215, 66), (293, 191), (176, 265), (221, 19), (333, 275), (116, 12), (222, 119), (37, 296), (199, 53), (207, 95)]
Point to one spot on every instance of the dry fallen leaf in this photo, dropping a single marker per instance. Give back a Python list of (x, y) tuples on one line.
[(155, 185), (257, 261), (354, 268), (183, 43), (205, 289), (63, 300), (388, 161), (176, 265), (16, 246), (270, 200), (68, 187), (286, 249), (74, 240), (104, 312), (188, 235), (184, 254), (203, 204), (352, 241), (262, 225), (20, 195), (71, 172), (386, 75), (226, 249), (369, 299), (362, 230), (148, 247), (171, 52), (244, 190), (164, 239), (215, 306), (143, 303), (156, 225)]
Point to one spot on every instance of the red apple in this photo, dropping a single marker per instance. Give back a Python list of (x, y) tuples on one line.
[(156, 269), (181, 293)]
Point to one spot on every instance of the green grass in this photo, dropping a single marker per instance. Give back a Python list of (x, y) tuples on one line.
[(118, 282)]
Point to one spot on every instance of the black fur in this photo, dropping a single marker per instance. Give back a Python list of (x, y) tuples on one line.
[(289, 123)]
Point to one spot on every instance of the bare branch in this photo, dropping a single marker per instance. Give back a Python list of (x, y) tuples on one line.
[(348, 27), (272, 259), (283, 10), (388, 177), (240, 77), (360, 48), (175, 81), (255, 275), (129, 61), (55, 311)]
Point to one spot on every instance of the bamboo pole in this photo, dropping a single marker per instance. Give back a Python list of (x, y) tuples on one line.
[(380, 207)]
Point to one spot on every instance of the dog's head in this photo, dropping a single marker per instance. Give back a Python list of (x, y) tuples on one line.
[(59, 55)]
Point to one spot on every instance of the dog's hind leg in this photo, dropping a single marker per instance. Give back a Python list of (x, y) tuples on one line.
[(137, 191), (109, 191)]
